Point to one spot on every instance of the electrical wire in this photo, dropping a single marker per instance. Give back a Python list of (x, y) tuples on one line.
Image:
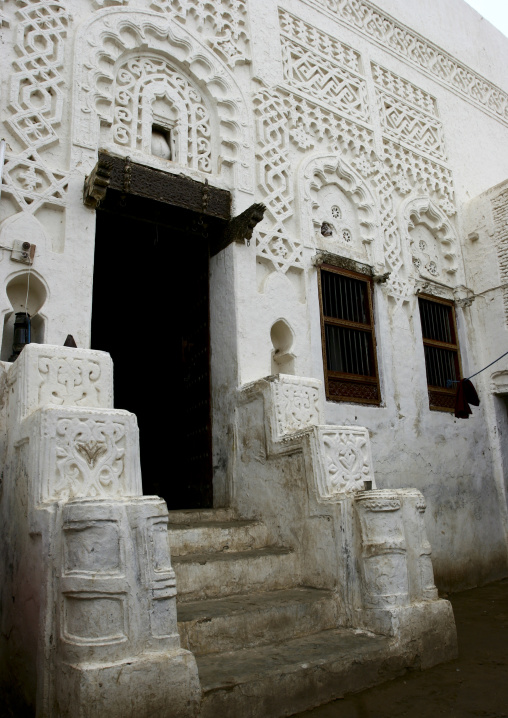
[(449, 382)]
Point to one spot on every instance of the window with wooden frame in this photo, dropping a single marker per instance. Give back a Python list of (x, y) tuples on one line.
[(349, 344), (440, 343)]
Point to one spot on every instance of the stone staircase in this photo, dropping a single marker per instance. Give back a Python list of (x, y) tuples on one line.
[(264, 644)]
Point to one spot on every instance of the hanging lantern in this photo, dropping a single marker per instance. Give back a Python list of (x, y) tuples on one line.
[(22, 331)]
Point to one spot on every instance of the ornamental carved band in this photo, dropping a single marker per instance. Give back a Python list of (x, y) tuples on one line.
[(36, 98), (393, 35)]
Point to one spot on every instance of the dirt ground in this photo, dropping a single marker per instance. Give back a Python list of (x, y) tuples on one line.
[(476, 684)]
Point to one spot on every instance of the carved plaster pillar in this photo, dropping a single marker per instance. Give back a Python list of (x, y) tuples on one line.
[(383, 549)]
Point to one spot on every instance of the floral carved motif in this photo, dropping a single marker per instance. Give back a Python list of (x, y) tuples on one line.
[(69, 382), (36, 98), (228, 18), (142, 80), (406, 43), (89, 457), (296, 406), (345, 459)]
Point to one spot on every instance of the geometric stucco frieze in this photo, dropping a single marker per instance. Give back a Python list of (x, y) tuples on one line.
[(105, 42), (226, 18), (407, 44), (36, 95)]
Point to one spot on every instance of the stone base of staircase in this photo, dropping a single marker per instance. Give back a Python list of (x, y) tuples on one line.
[(266, 646)]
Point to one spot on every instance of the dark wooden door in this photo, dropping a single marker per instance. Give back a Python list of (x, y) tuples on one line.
[(151, 312)]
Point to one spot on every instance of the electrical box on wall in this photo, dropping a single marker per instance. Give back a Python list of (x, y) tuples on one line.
[(23, 251)]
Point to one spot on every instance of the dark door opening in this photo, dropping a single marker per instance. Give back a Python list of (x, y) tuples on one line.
[(151, 313)]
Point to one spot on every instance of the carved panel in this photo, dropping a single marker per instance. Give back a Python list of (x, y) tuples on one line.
[(140, 84), (105, 42), (410, 170), (89, 619), (431, 240), (296, 403), (223, 23), (328, 71), (343, 459), (404, 123), (32, 184), (284, 116), (326, 45), (36, 97), (69, 381), (403, 89), (61, 376), (92, 546), (393, 35), (334, 193), (274, 245), (90, 457), (79, 452)]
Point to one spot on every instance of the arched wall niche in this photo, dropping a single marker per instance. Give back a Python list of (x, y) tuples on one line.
[(115, 37), (334, 193), (24, 288), (430, 240)]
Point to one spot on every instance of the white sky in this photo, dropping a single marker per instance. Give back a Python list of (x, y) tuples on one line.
[(495, 11)]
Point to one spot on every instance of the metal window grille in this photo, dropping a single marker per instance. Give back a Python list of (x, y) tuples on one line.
[(349, 344), (442, 359)]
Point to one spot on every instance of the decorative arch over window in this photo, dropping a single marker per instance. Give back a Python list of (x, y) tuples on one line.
[(153, 98), (431, 240), (333, 194), (174, 69)]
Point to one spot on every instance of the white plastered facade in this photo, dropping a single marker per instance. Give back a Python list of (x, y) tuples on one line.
[(384, 120)]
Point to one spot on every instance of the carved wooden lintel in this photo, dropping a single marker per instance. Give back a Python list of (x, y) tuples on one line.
[(177, 190), (97, 183), (240, 228)]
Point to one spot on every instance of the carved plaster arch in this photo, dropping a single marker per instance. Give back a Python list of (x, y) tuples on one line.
[(114, 34), (422, 211), (325, 169)]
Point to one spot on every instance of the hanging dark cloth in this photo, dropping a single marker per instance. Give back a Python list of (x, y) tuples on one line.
[(466, 394)]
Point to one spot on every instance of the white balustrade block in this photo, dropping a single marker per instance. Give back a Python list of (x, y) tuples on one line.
[(342, 461), (297, 404), (82, 453), (61, 376)]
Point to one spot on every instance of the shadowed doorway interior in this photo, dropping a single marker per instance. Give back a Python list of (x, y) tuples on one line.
[(150, 312)]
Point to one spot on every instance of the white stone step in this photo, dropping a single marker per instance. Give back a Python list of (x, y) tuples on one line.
[(280, 680), (218, 574), (195, 537), (192, 516), (226, 624)]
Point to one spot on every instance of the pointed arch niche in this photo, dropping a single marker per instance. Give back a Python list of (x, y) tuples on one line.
[(338, 211), (431, 241), (150, 90)]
